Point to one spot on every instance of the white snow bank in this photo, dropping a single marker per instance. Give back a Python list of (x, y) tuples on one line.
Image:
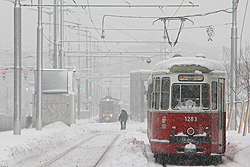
[(238, 148), (129, 150), (16, 148)]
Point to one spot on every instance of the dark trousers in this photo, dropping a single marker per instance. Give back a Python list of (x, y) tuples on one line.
[(123, 124)]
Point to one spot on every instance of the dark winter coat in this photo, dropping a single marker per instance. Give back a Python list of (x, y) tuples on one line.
[(123, 116)]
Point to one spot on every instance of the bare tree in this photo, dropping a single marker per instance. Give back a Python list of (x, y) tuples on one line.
[(244, 70)]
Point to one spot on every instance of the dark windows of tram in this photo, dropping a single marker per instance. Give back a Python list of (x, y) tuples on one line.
[(175, 96), (150, 91), (157, 93), (214, 95), (205, 96), (153, 95), (165, 86), (195, 93), (190, 92)]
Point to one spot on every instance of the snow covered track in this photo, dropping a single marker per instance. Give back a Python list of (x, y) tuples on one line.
[(131, 148), (67, 151), (106, 151), (89, 152)]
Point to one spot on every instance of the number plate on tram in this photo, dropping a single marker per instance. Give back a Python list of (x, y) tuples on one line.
[(191, 119)]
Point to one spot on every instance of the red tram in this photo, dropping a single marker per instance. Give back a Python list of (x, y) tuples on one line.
[(186, 108)]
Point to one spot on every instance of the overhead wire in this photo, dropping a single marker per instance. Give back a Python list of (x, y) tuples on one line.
[(196, 15), (178, 8), (94, 25), (174, 13), (90, 17), (243, 23), (128, 25), (145, 17), (98, 31)]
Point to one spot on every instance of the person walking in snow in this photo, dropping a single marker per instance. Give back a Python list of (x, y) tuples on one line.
[(123, 119)]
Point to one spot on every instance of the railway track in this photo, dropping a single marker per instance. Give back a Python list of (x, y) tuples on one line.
[(105, 152), (85, 151), (66, 152), (89, 152)]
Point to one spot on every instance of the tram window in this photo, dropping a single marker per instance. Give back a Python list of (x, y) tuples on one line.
[(150, 90), (152, 100), (190, 92), (205, 96), (214, 95), (190, 95), (175, 96), (153, 95), (108, 106), (165, 86), (220, 98), (157, 92)]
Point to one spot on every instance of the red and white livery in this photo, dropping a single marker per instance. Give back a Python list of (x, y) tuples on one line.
[(186, 107)]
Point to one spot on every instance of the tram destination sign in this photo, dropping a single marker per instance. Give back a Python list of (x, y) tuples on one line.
[(191, 77)]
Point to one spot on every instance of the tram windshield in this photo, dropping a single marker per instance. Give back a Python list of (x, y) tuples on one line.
[(190, 96), (107, 106)]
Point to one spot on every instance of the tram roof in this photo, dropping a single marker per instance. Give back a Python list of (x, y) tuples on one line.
[(109, 98), (189, 65)]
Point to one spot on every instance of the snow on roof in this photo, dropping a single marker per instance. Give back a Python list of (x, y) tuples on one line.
[(207, 65)]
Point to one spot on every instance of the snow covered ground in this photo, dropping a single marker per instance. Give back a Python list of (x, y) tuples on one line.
[(129, 149)]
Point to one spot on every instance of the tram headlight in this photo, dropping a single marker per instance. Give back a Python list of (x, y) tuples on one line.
[(111, 115), (190, 131)]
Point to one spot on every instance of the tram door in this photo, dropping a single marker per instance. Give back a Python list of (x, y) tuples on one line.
[(221, 110)]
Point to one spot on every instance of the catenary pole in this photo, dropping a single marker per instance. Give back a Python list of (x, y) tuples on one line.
[(17, 68), (87, 66), (78, 98), (39, 69), (55, 55), (233, 62), (61, 37)]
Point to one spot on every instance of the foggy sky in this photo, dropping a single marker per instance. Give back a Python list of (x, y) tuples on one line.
[(193, 35)]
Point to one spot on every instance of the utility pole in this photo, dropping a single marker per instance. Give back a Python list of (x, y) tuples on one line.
[(87, 66), (61, 65), (49, 13), (95, 89), (78, 45), (55, 56), (17, 68), (90, 81), (233, 92), (39, 69), (78, 98)]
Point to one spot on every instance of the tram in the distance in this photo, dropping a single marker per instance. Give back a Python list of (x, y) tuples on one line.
[(109, 109), (186, 108)]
